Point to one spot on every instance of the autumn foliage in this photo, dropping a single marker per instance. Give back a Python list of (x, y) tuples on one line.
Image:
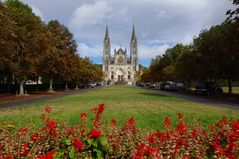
[(96, 138)]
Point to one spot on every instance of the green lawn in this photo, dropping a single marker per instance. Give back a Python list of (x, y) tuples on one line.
[(235, 90), (122, 102)]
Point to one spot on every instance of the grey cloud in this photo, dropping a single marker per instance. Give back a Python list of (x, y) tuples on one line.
[(159, 23)]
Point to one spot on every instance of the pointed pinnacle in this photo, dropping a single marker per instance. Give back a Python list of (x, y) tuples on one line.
[(107, 32), (133, 34)]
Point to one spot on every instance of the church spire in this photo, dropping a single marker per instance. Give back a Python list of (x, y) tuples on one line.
[(133, 34), (107, 33)]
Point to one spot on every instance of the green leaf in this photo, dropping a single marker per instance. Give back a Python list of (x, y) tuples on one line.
[(104, 143), (58, 155), (90, 140), (72, 153), (10, 126), (182, 150), (224, 142), (99, 153), (95, 143), (68, 142)]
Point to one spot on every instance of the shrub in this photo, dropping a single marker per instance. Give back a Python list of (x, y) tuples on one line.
[(99, 139)]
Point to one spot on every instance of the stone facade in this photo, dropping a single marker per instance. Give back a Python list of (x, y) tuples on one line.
[(120, 68)]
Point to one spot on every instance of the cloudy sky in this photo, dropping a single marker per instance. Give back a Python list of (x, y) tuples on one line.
[(159, 24)]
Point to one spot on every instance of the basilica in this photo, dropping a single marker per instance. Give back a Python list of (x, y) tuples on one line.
[(120, 68)]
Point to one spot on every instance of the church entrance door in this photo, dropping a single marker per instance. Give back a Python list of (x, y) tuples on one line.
[(120, 75)]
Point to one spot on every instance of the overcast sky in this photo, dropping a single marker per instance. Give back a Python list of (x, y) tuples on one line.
[(159, 24)]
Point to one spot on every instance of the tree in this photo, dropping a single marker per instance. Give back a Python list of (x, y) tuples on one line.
[(66, 48), (163, 67), (186, 67), (218, 50), (146, 76), (7, 43), (28, 27), (233, 14)]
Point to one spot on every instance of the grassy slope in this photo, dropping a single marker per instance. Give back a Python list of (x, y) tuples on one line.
[(122, 102)]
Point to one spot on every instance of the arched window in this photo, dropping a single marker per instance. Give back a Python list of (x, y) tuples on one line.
[(120, 60)]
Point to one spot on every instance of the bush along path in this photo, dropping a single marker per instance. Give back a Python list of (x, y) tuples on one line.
[(97, 138)]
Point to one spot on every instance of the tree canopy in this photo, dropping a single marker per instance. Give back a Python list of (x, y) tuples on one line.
[(213, 55), (30, 48)]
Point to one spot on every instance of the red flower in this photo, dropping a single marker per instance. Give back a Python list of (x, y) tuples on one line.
[(131, 121), (151, 138), (49, 155), (177, 148), (9, 156), (180, 116), (70, 130), (22, 131), (130, 125), (186, 156), (78, 144), (24, 150), (42, 117), (34, 137), (47, 109), (160, 135), (82, 132), (52, 127), (194, 132), (137, 155), (167, 121), (101, 108), (95, 133), (235, 126), (218, 148), (152, 150), (51, 124), (113, 122), (181, 128), (94, 109), (182, 142), (83, 117)]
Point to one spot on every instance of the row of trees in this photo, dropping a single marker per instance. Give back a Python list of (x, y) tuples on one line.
[(29, 48), (213, 55)]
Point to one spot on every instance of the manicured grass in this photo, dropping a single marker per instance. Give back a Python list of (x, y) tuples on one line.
[(235, 90), (149, 108)]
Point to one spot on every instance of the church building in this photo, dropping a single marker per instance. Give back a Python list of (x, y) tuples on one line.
[(120, 68)]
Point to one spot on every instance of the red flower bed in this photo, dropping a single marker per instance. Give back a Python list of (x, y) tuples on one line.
[(106, 140)]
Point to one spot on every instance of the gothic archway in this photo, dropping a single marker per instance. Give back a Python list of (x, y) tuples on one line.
[(120, 75)]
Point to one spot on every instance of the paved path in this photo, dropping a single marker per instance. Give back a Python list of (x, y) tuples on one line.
[(36, 99), (215, 101)]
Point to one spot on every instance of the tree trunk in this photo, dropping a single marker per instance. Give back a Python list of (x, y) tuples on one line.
[(37, 83), (77, 88), (66, 87), (229, 86), (21, 92), (5, 80), (51, 83)]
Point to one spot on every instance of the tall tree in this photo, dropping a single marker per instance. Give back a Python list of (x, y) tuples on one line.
[(233, 14), (27, 28), (7, 43), (66, 47)]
